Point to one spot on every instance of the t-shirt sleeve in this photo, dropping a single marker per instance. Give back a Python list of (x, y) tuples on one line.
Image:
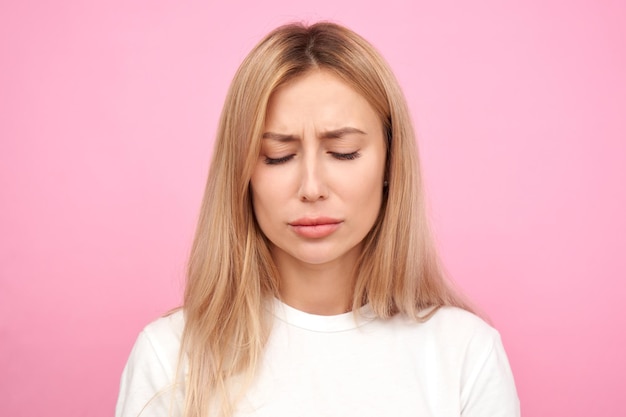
[(147, 386), (489, 387)]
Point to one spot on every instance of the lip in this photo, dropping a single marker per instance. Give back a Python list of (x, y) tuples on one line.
[(315, 227)]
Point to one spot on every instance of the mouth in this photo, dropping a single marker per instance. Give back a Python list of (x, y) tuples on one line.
[(314, 221), (315, 228)]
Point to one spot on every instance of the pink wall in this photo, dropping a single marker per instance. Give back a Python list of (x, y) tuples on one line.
[(107, 112)]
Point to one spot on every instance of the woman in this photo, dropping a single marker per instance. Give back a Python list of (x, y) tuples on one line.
[(313, 285)]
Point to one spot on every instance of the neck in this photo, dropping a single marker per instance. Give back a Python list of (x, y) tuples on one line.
[(324, 289)]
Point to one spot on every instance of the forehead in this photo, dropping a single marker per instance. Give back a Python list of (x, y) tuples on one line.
[(321, 98)]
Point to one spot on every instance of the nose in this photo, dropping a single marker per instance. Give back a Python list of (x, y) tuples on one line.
[(313, 186)]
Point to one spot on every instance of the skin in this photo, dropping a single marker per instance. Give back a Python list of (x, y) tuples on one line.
[(322, 161)]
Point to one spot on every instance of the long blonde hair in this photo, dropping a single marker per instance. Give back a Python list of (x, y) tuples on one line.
[(231, 274)]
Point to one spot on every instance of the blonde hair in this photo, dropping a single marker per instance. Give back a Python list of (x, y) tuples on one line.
[(231, 273)]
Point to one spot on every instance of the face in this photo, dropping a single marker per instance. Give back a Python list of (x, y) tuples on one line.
[(318, 183)]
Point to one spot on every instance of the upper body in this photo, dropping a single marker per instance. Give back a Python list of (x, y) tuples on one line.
[(449, 366), (314, 197)]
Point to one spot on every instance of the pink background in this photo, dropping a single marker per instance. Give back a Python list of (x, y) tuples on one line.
[(107, 116)]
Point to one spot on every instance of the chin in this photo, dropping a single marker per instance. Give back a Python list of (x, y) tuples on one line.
[(315, 260)]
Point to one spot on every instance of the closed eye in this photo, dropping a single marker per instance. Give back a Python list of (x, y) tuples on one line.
[(278, 161), (346, 156)]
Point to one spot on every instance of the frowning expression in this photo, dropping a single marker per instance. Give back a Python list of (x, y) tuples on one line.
[(317, 185)]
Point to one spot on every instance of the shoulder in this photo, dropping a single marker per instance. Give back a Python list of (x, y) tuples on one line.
[(475, 349), (465, 355), (448, 323), (167, 329), (464, 333), (157, 346), (151, 367), (160, 340), (452, 337), (459, 354), (457, 323)]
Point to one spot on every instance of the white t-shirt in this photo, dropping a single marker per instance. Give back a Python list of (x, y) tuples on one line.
[(337, 366)]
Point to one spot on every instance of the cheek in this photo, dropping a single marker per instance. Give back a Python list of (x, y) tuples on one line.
[(362, 190), (261, 210), (367, 181), (268, 193)]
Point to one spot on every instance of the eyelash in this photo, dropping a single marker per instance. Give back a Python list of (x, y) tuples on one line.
[(346, 156), (341, 156), (277, 161)]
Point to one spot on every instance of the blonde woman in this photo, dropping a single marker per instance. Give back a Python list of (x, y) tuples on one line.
[(313, 285)]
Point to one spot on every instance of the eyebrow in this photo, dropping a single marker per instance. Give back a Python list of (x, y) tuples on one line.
[(338, 133), (279, 137), (329, 134)]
